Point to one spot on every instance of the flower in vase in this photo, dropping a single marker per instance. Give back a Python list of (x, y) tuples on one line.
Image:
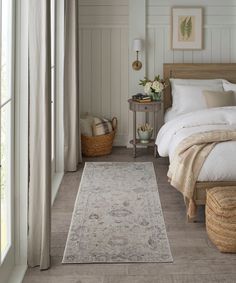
[(157, 86), (153, 88), (147, 88)]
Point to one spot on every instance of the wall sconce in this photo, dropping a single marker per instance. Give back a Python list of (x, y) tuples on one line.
[(137, 47)]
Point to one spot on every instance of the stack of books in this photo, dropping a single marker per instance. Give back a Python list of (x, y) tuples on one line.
[(142, 98)]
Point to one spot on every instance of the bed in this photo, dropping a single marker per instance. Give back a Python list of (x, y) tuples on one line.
[(216, 118)]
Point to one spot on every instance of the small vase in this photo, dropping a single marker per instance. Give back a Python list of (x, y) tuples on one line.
[(156, 96)]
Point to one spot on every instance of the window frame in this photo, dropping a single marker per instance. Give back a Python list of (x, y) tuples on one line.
[(7, 255), (19, 256)]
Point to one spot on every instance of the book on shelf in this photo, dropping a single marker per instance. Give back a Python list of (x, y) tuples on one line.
[(142, 98)]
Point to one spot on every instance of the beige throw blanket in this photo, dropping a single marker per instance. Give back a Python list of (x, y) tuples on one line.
[(188, 159)]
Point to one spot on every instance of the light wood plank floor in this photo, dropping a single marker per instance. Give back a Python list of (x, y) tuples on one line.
[(195, 258)]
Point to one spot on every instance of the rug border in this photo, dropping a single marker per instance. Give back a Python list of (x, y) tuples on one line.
[(77, 196)]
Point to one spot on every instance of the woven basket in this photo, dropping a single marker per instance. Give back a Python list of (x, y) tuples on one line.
[(221, 218), (99, 145)]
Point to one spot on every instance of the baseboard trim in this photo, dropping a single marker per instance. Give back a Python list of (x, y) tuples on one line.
[(56, 182), (18, 274), (121, 140)]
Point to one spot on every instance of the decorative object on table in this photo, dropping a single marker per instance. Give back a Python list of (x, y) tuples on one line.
[(99, 144), (153, 88), (117, 216), (221, 217), (142, 98), (145, 133), (137, 47), (187, 28)]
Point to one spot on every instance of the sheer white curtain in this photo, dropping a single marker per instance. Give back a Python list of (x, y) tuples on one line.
[(40, 134), (40, 120), (72, 151)]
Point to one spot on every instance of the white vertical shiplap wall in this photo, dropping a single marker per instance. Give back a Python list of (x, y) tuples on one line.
[(104, 43), (104, 49), (219, 34), (137, 29)]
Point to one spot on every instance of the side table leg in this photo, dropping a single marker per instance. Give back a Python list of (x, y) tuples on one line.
[(155, 134), (155, 151), (134, 133), (134, 151)]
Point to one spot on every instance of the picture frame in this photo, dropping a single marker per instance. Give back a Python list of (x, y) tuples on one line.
[(187, 28)]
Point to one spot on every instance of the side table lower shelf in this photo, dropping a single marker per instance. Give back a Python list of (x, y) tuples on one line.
[(151, 143)]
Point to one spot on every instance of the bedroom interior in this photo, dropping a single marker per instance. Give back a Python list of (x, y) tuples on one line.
[(118, 141)]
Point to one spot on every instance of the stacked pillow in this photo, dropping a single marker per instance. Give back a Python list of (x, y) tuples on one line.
[(190, 95), (229, 87), (219, 99), (95, 126)]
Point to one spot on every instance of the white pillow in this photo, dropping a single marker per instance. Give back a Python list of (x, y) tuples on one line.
[(229, 86), (217, 84), (190, 98), (170, 114)]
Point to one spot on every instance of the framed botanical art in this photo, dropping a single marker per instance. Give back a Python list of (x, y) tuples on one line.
[(187, 28)]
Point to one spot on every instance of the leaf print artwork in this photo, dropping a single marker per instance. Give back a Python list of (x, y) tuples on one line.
[(186, 28), (189, 27), (182, 27)]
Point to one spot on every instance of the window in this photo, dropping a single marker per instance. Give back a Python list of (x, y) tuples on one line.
[(7, 126)]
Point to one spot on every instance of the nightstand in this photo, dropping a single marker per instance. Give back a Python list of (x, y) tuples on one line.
[(147, 107)]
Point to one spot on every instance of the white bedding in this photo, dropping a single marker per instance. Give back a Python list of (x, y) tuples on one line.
[(220, 165), (170, 114)]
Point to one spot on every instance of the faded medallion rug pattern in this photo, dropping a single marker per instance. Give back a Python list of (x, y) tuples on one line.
[(117, 216)]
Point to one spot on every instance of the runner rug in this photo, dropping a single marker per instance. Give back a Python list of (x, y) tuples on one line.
[(117, 216)]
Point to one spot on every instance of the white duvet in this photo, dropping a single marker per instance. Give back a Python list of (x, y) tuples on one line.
[(220, 165)]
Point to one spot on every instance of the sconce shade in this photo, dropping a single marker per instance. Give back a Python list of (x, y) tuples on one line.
[(137, 45)]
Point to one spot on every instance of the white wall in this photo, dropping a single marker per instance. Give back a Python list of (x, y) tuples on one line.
[(106, 33), (219, 34), (104, 60)]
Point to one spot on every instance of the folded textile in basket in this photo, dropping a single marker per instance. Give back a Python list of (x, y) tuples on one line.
[(101, 126), (86, 123), (95, 126)]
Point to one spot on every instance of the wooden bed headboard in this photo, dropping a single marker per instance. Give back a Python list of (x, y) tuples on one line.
[(196, 71)]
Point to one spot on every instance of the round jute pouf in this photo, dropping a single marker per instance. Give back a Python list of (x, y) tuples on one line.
[(221, 218)]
